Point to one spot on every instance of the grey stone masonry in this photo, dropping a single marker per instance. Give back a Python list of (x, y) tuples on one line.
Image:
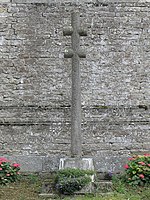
[(78, 1), (5, 1), (35, 82)]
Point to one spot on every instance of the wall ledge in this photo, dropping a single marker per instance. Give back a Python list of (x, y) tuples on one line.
[(76, 1)]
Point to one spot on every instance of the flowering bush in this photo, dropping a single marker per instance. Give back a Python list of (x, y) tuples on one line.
[(137, 170), (8, 172)]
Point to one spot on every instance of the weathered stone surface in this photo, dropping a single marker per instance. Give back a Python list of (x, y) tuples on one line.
[(76, 137), (81, 163), (77, 1), (35, 81), (103, 186), (28, 163), (5, 1)]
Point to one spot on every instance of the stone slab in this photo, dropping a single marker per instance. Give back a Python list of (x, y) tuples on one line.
[(81, 163), (77, 1), (86, 190), (50, 195), (5, 1), (103, 186), (45, 1), (28, 163)]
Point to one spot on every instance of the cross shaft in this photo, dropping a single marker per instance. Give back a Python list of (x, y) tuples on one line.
[(75, 53)]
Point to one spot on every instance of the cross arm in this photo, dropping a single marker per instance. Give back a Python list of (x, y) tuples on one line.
[(67, 31), (81, 53), (68, 53), (82, 32)]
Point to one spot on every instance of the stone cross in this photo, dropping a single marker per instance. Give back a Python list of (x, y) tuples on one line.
[(75, 53)]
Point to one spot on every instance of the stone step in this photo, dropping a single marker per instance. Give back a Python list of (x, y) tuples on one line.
[(98, 186), (103, 176), (48, 196), (103, 186)]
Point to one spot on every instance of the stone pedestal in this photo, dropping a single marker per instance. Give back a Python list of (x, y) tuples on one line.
[(81, 163)]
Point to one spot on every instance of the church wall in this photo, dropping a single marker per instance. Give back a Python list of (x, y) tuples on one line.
[(35, 81)]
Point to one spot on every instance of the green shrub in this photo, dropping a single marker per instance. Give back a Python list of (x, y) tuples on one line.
[(8, 172), (137, 170), (70, 180), (119, 184)]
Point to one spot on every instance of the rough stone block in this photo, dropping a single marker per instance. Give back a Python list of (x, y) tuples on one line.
[(28, 163), (5, 1), (81, 163), (103, 186)]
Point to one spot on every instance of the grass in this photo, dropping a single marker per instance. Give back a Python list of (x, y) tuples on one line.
[(29, 187), (120, 193), (25, 189)]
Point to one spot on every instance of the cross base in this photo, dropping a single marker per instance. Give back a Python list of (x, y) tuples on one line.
[(81, 163)]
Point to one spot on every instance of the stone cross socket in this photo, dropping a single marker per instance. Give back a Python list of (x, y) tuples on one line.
[(75, 53)]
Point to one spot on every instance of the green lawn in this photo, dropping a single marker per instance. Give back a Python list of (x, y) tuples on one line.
[(29, 188)]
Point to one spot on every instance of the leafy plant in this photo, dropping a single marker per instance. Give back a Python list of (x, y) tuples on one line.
[(8, 172), (70, 180), (137, 170), (119, 184), (32, 178)]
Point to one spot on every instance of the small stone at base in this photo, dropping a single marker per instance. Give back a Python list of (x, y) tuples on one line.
[(50, 195)]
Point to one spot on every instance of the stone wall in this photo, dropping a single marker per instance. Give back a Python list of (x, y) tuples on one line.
[(35, 81)]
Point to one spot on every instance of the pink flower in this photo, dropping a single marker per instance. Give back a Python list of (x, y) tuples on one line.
[(141, 176), (141, 163), (147, 154), (7, 174), (126, 166), (3, 160), (131, 158), (148, 165), (16, 165), (1, 169)]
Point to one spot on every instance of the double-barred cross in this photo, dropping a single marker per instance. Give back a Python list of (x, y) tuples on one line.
[(75, 53)]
